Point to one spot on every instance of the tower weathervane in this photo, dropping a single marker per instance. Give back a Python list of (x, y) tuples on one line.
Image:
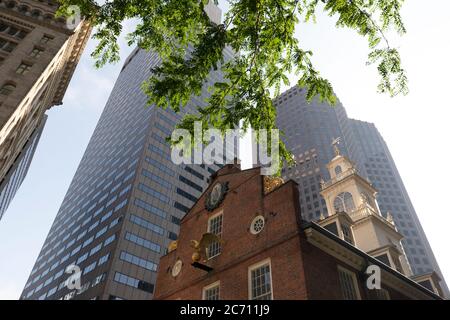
[(335, 144)]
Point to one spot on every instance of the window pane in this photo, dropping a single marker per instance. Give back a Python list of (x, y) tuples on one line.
[(261, 283)]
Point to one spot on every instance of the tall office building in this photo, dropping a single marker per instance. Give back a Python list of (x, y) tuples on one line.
[(310, 128), (393, 197), (127, 197), (38, 55), (19, 169)]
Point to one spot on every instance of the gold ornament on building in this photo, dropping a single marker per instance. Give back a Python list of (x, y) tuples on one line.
[(271, 183), (201, 246), (173, 246), (335, 144)]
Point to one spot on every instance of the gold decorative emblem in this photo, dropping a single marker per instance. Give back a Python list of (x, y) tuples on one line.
[(172, 246), (271, 183), (201, 246), (335, 144)]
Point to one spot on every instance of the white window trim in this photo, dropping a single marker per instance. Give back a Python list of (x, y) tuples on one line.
[(435, 289), (249, 276), (352, 236), (354, 279), (215, 215), (210, 286)]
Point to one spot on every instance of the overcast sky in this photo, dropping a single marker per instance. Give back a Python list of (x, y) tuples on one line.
[(416, 129)]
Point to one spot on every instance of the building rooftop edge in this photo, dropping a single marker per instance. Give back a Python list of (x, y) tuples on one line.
[(373, 260), (72, 62)]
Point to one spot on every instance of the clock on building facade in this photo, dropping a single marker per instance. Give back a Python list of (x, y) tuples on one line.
[(216, 195)]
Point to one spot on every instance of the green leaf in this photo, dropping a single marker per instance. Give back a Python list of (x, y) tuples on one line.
[(261, 32)]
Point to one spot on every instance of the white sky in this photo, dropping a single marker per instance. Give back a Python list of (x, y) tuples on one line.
[(415, 128)]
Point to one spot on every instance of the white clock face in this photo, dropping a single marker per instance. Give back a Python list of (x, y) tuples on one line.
[(215, 193), (176, 269)]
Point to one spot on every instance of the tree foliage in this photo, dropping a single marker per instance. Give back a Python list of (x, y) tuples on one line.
[(261, 31)]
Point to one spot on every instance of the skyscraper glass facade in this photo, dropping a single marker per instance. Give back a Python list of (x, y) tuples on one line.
[(309, 131), (17, 173), (393, 197), (125, 202)]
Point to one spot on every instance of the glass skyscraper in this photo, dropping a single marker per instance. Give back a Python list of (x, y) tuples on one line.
[(309, 131), (125, 202), (18, 171)]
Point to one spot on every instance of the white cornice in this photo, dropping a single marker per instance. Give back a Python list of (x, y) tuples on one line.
[(82, 36)]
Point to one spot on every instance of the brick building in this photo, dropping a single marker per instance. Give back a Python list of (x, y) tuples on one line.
[(266, 251)]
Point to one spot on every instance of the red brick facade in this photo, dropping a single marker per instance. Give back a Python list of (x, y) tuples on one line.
[(299, 269)]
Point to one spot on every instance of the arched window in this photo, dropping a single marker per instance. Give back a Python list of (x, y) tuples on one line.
[(344, 202), (11, 4), (36, 13), (338, 170), (3, 26), (7, 89), (23, 9), (12, 30)]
